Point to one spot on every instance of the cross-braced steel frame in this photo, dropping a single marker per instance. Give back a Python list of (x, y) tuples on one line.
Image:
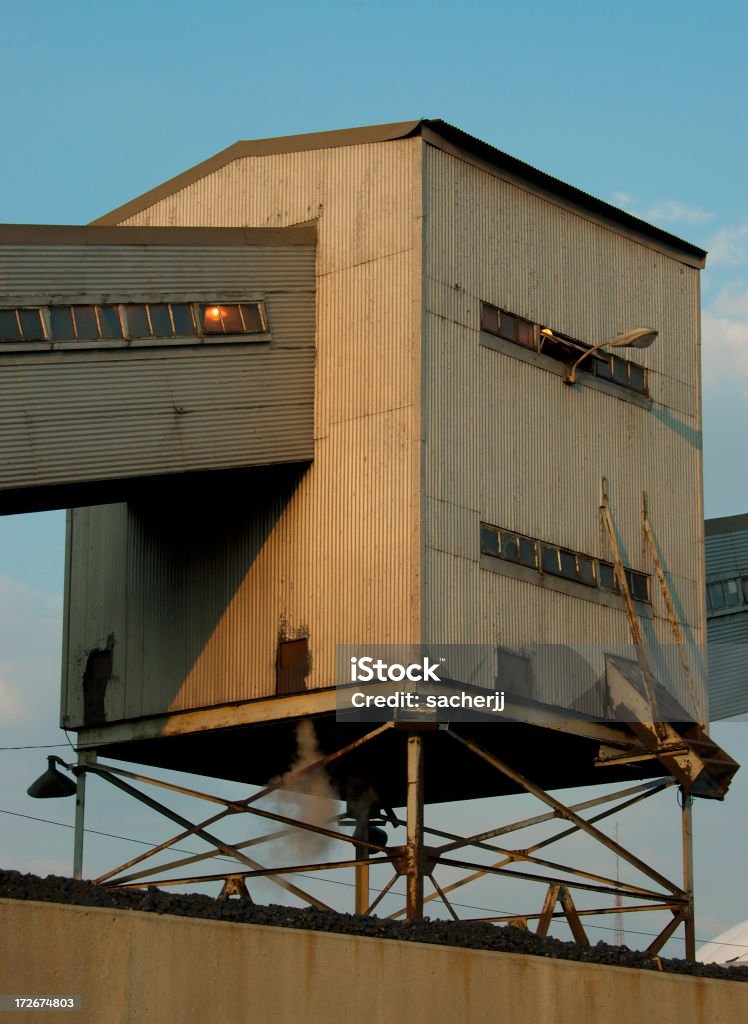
[(416, 861)]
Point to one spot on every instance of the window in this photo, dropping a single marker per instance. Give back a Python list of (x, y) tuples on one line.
[(21, 325), (245, 318), (160, 320), (553, 560), (133, 321), (562, 348), (732, 594), (727, 594), (84, 323), (606, 577), (638, 585)]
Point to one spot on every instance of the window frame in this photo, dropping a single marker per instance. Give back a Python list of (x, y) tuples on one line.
[(733, 593), (127, 338), (635, 579), (554, 348)]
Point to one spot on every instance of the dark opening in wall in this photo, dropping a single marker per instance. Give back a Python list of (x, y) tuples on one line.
[(95, 680), (292, 666)]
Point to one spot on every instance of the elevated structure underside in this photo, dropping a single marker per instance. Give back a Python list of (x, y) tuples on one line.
[(570, 751), (256, 754)]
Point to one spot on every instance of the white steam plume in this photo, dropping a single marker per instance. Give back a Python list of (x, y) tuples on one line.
[(312, 799)]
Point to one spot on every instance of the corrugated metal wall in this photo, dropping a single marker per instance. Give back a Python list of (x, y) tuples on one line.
[(40, 274), (89, 413), (420, 433), (508, 444), (727, 553), (727, 558), (728, 665), (334, 555)]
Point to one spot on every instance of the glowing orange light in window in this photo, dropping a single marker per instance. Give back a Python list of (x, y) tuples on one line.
[(214, 312)]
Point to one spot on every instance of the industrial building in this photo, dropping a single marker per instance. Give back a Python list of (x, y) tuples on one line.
[(381, 386)]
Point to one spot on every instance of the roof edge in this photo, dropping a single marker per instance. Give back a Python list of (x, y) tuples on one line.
[(87, 234), (485, 153), (260, 147), (436, 132), (726, 524)]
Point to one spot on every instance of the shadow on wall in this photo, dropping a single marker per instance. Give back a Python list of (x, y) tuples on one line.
[(190, 545)]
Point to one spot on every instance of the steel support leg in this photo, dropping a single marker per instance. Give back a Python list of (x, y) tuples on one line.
[(362, 864), (690, 920), (414, 852), (80, 814)]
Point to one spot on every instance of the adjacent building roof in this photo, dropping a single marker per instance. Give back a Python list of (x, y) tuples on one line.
[(727, 524), (437, 133)]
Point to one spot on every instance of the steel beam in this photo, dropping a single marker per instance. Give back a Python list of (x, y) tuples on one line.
[(414, 847), (687, 834)]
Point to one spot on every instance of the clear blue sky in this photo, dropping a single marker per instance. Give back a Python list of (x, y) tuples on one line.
[(641, 104)]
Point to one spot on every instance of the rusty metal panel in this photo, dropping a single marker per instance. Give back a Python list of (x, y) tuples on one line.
[(337, 558), (506, 443)]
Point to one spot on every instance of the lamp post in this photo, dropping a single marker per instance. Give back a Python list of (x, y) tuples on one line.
[(637, 337)]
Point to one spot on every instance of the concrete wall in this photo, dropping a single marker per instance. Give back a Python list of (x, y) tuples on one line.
[(132, 966)]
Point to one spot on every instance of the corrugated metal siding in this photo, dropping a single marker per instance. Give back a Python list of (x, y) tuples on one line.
[(727, 558), (97, 560), (39, 274), (341, 563), (728, 665), (727, 555), (508, 444), (104, 414), (135, 414)]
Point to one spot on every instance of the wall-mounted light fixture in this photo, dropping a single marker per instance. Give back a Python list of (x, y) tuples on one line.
[(637, 337)]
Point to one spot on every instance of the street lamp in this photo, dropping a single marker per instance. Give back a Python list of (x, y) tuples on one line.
[(52, 783), (637, 337)]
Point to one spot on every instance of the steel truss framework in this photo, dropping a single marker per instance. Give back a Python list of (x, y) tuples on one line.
[(416, 861)]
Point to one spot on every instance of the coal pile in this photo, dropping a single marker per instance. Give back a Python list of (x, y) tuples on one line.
[(502, 939)]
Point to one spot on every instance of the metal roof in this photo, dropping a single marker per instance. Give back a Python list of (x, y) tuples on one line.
[(437, 133), (726, 524)]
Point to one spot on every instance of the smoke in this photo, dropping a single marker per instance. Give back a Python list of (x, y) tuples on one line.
[(312, 799)]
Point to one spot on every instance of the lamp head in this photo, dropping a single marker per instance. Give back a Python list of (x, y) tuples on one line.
[(52, 783), (637, 337)]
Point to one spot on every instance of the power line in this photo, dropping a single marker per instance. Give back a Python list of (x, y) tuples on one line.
[(47, 746), (336, 881), (38, 746)]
